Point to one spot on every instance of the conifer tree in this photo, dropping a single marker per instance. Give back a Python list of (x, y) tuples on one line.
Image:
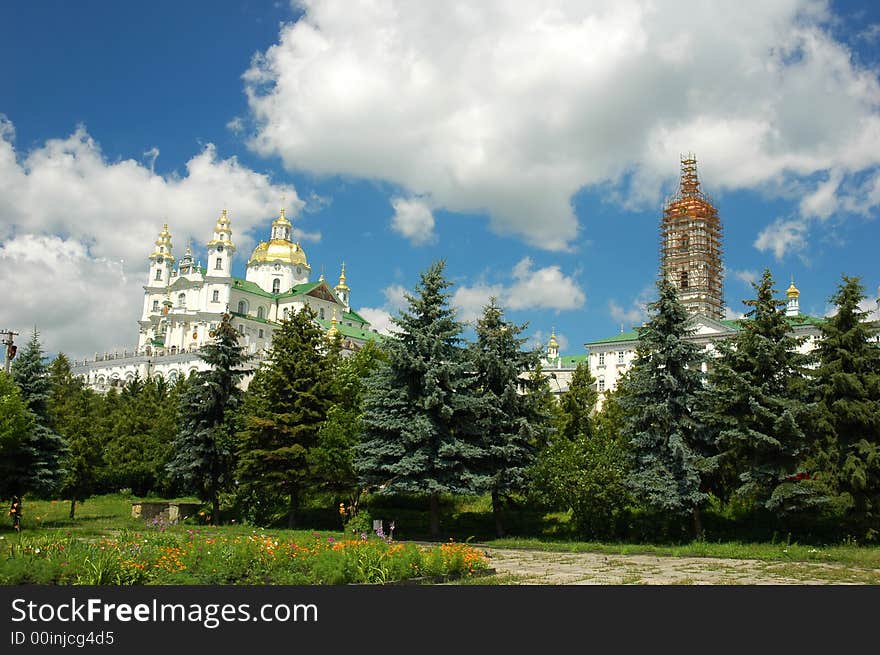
[(16, 423), (578, 403), (288, 403), (74, 411), (421, 433), (513, 424), (204, 447), (847, 387), (669, 447), (41, 469), (333, 455), (754, 408), (141, 421)]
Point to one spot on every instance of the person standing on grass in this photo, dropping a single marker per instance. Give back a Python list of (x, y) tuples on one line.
[(15, 513)]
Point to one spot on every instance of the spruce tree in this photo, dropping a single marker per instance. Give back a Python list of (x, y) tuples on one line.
[(577, 404), (333, 455), (289, 400), (669, 447), (421, 433), (41, 470), (204, 447), (513, 425), (754, 406), (141, 422), (846, 384), (74, 411)]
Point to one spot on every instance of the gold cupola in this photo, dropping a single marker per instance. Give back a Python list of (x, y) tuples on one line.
[(279, 249), (163, 245), (222, 232), (342, 286), (792, 291)]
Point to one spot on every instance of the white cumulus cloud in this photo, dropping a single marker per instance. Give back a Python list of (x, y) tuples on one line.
[(83, 214), (414, 220), (528, 288), (510, 108)]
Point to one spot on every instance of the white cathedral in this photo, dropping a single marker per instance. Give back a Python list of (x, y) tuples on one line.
[(183, 304)]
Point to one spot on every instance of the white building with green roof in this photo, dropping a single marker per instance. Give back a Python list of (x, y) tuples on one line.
[(611, 357), (184, 303)]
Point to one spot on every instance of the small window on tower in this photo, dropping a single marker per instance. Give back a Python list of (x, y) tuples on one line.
[(215, 297), (683, 283), (155, 305), (158, 273), (219, 265), (276, 286)]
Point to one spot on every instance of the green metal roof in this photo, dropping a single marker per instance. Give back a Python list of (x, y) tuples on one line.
[(351, 332), (572, 360), (632, 335), (734, 324), (252, 287)]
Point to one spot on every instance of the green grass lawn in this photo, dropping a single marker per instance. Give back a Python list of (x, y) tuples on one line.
[(110, 516)]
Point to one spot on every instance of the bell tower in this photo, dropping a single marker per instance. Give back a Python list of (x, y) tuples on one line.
[(690, 246), (221, 248), (161, 260)]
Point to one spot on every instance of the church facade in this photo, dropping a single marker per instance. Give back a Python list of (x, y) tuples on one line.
[(184, 301)]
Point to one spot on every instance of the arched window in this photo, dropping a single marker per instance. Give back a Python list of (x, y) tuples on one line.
[(276, 285), (286, 313), (261, 312), (181, 300), (158, 273), (242, 307), (215, 297), (219, 265), (321, 313)]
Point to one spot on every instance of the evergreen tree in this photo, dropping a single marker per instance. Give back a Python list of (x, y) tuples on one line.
[(514, 427), (16, 423), (140, 423), (847, 387), (754, 405), (578, 403), (670, 450), (289, 400), (74, 412), (41, 468), (421, 433), (333, 455), (204, 447)]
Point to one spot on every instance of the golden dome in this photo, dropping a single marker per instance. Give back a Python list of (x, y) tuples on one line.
[(342, 286), (792, 291), (279, 250), (553, 343)]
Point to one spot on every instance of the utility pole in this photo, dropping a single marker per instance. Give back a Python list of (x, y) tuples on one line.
[(11, 348)]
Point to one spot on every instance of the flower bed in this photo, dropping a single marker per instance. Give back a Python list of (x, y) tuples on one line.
[(212, 557)]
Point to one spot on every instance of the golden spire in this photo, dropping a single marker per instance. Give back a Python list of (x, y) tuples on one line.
[(792, 291), (163, 244), (342, 286), (690, 183), (553, 343), (333, 331)]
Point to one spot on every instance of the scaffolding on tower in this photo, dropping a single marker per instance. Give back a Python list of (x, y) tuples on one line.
[(690, 245)]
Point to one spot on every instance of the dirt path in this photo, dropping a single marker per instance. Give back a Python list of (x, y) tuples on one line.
[(537, 567)]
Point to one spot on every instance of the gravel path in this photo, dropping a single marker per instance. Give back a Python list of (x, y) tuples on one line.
[(538, 567)]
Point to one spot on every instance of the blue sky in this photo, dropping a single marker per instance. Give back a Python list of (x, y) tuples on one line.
[(530, 145)]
